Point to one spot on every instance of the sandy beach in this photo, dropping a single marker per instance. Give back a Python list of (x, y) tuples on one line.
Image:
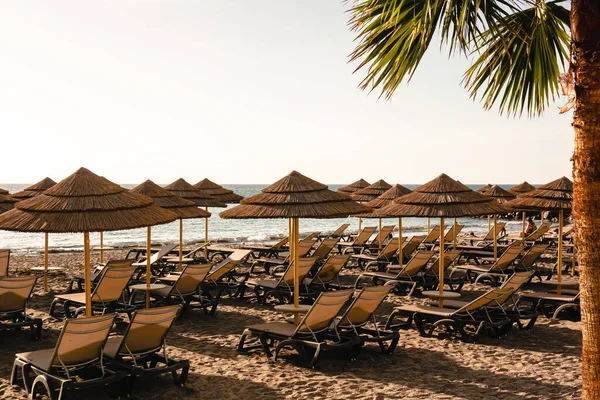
[(543, 363)]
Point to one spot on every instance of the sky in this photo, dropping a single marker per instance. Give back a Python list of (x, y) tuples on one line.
[(241, 92)]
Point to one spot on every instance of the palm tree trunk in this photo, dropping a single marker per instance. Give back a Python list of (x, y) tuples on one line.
[(585, 31)]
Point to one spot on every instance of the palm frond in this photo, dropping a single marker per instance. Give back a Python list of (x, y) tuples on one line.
[(520, 59)]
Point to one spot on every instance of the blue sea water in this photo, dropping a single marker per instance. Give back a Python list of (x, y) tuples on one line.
[(233, 231)]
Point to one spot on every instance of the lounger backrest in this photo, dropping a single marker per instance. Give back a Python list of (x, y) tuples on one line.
[(281, 243), (539, 232), (364, 305), (15, 291), (119, 263), (304, 266), (449, 257), (484, 300), (412, 244), (4, 260), (416, 264), (224, 267), (340, 230), (514, 283), (332, 267), (499, 227), (507, 258), (147, 330), (383, 234), (390, 249), (324, 310), (532, 255), (304, 247), (112, 283), (81, 341), (433, 235), (190, 278), (312, 236), (364, 235), (325, 248), (453, 232)]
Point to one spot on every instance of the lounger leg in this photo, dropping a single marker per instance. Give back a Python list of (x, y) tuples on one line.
[(405, 325), (41, 380), (53, 306)]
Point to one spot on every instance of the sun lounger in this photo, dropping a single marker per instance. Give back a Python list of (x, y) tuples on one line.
[(76, 362), (495, 272), (539, 233), (409, 275), (409, 247), (386, 256), (96, 273), (267, 264), (158, 266), (273, 250), (452, 233), (4, 261), (282, 288), (14, 294), (359, 243), (382, 236), (329, 272), (487, 240), (468, 321), (312, 236), (552, 304), (361, 313), (432, 237), (338, 233), (106, 295), (142, 349), (224, 277), (311, 335), (324, 248), (431, 274)]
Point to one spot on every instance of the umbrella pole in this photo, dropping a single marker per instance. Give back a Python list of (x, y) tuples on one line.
[(206, 235), (359, 224), (87, 273), (428, 225), (400, 253), (180, 244), (46, 262), (441, 263), (560, 247), (379, 235), (101, 247), (523, 225), (495, 239), (489, 227), (454, 234), (148, 264)]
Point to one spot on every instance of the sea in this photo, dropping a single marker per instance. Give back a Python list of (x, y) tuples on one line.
[(225, 230)]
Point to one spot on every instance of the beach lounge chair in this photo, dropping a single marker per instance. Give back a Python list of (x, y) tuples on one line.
[(382, 236), (552, 304), (386, 256), (487, 240), (410, 275), (312, 236), (409, 247), (225, 277), (283, 287), (468, 321), (452, 233), (361, 313), (329, 273), (76, 361), (310, 337), (359, 243), (431, 274), (338, 233), (186, 289), (14, 294), (324, 248), (432, 237), (495, 272), (539, 233), (529, 260), (4, 261), (106, 295), (96, 272), (304, 247), (142, 349), (273, 250), (158, 266)]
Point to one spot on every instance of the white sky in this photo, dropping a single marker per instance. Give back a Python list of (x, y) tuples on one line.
[(240, 92)]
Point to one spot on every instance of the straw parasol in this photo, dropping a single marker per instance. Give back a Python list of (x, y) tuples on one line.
[(553, 196), (185, 190), (6, 203), (218, 192), (369, 193), (184, 209), (295, 196), (27, 193), (3, 191), (521, 188), (483, 189), (442, 197), (501, 196), (353, 187), (85, 202)]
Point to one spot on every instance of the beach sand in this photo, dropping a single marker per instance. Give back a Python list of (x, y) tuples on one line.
[(543, 363)]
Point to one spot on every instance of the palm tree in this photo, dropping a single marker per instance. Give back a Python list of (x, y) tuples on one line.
[(517, 48)]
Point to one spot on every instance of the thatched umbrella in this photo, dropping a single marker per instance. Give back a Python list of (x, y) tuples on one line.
[(386, 199), (185, 190), (184, 209), (3, 191), (501, 196), (27, 193), (353, 187), (484, 188), (369, 193), (442, 197), (521, 188), (218, 192), (554, 196), (295, 196), (85, 202), (6, 203)]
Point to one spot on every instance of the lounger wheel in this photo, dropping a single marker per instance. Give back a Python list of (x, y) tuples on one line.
[(40, 382)]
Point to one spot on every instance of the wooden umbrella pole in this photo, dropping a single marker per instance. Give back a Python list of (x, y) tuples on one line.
[(400, 255), (148, 264), (441, 263), (180, 244), (454, 233), (428, 225), (495, 240), (379, 235), (101, 246), (359, 225), (489, 226), (560, 245), (87, 274), (46, 262), (206, 235), (523, 225)]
